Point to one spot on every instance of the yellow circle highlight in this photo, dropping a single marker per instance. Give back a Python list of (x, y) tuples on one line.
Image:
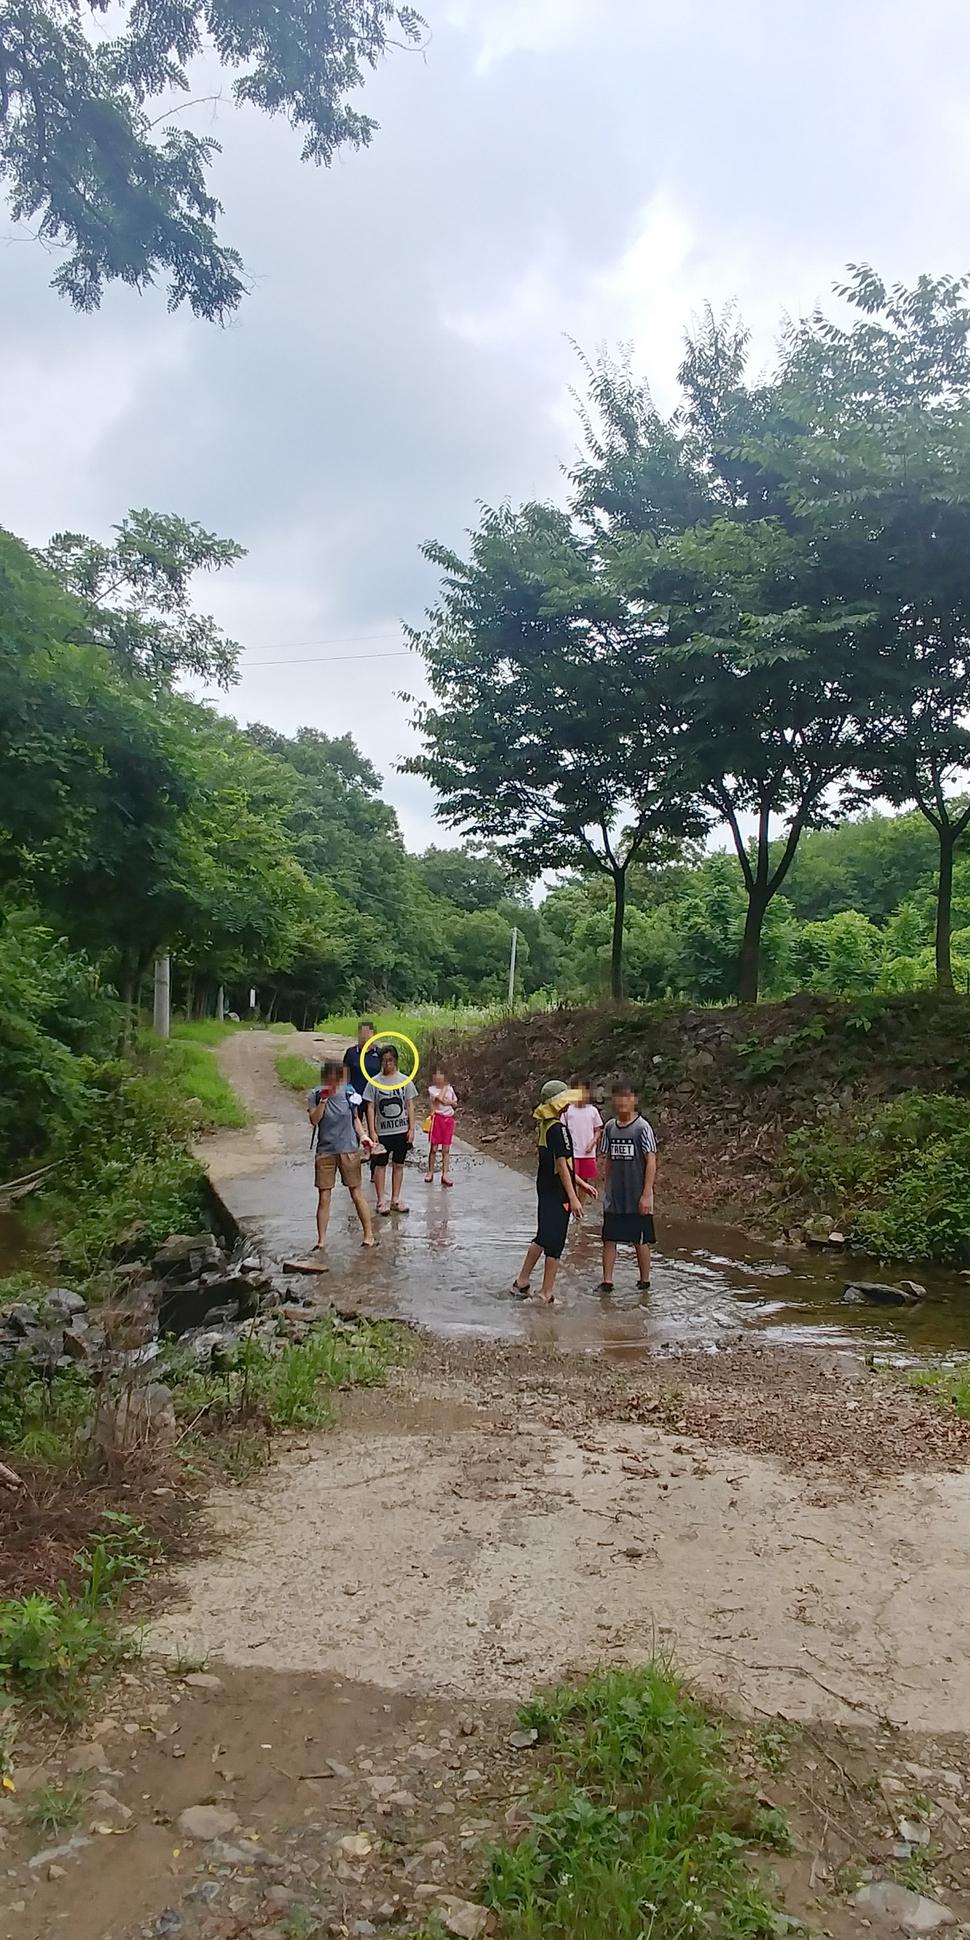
[(402, 1078)]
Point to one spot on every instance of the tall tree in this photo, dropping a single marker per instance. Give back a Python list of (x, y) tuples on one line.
[(538, 738), (877, 446), (85, 160)]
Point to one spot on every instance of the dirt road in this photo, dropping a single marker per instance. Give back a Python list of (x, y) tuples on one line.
[(372, 1608)]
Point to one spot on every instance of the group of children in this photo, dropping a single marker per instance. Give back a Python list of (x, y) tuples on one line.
[(364, 1108), (355, 1118)]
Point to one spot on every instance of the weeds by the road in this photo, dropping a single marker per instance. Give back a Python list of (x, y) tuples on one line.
[(49, 1643), (296, 1073), (431, 1020), (55, 1808), (950, 1386), (291, 1389), (188, 1059), (43, 1418), (639, 1826)]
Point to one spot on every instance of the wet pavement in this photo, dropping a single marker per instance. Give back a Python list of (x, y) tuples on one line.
[(450, 1261)]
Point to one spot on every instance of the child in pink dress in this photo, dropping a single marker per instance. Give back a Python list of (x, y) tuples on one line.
[(584, 1125), (443, 1100)]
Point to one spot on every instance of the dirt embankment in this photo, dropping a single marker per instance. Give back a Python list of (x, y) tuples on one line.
[(722, 1088)]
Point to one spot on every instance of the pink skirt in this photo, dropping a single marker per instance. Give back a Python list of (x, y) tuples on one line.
[(585, 1169), (442, 1129)]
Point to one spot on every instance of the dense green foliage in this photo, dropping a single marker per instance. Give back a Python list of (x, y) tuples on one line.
[(89, 166), (752, 614), (636, 1819), (897, 1176)]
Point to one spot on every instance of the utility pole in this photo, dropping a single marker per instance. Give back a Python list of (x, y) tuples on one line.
[(162, 1018), (515, 938)]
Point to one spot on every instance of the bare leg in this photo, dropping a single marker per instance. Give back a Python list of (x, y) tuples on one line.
[(397, 1181), (609, 1261), (643, 1262), (529, 1264), (362, 1210), (380, 1185), (429, 1175), (446, 1165), (323, 1212), (549, 1272)]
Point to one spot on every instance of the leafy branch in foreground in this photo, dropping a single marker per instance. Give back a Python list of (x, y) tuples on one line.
[(126, 195)]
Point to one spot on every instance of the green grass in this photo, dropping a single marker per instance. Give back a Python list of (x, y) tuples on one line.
[(44, 1419), (296, 1073), (950, 1386), (639, 1828), (55, 1808), (192, 1065), (49, 1645), (423, 1023), (203, 1030), (291, 1389)]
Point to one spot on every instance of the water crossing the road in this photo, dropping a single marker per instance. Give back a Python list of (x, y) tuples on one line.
[(449, 1264)]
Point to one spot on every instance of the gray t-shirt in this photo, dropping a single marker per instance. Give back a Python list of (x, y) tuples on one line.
[(336, 1131), (626, 1147), (391, 1107)]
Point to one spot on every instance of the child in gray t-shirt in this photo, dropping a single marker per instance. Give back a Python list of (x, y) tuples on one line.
[(629, 1153)]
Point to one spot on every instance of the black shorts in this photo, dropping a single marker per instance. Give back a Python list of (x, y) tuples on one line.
[(552, 1229), (629, 1229), (395, 1149)]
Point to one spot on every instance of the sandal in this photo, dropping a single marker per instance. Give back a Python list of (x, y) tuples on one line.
[(643, 1286), (429, 1178), (398, 1208), (605, 1286), (520, 1293), (385, 1212), (447, 1182)]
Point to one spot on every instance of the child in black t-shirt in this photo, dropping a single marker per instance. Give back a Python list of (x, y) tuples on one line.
[(557, 1189)]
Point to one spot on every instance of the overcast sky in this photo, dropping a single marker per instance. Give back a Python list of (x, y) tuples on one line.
[(548, 169)]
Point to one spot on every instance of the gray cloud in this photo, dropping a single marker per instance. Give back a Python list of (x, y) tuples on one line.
[(594, 167)]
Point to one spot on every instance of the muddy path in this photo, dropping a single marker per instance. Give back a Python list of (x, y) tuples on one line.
[(336, 1672)]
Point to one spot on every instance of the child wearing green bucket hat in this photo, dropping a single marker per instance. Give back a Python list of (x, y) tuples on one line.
[(558, 1191)]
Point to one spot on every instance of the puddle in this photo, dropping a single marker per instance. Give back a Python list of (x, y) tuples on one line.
[(450, 1261)]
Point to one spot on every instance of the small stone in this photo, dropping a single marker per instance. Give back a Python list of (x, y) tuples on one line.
[(54, 1854), (338, 1770), (521, 1740), (364, 1928), (205, 1892), (406, 1801), (206, 1822), (246, 1853), (356, 1845), (385, 1913), (280, 1896), (203, 1681), (168, 1922), (911, 1911), (463, 1917), (914, 1832), (56, 1872), (86, 1758), (382, 1786), (109, 1813), (467, 1726)]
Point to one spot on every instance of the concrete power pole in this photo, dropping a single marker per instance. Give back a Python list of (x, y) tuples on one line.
[(162, 1018), (515, 938)]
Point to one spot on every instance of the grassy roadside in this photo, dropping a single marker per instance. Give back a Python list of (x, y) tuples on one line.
[(637, 1824), (73, 1549), (296, 1073)]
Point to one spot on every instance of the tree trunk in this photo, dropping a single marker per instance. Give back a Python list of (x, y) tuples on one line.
[(616, 953), (749, 961), (944, 909)]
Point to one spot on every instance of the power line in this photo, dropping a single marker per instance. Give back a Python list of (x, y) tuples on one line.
[(327, 659)]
